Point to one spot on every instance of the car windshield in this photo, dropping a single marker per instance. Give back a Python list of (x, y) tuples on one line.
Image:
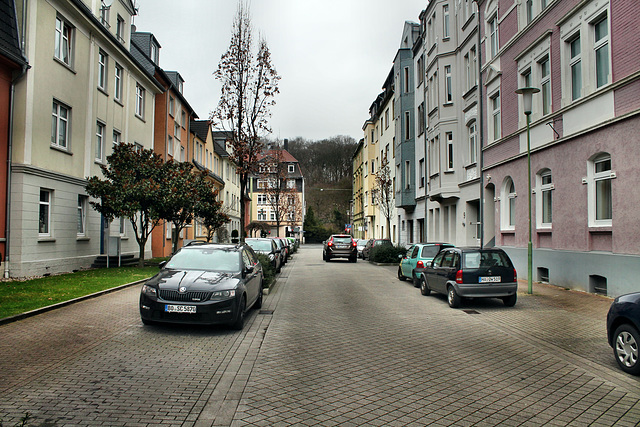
[(484, 259), (203, 258), (342, 240), (260, 245), (382, 242), (429, 251)]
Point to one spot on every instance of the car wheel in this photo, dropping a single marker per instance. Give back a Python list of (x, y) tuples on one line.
[(258, 304), (424, 287), (324, 256), (453, 298), (327, 258), (625, 348), (510, 301), (416, 281), (353, 259), (400, 276), (239, 322)]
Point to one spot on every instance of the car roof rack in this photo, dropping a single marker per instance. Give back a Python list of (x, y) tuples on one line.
[(196, 243)]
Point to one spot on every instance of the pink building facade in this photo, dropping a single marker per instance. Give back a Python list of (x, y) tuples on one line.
[(584, 133)]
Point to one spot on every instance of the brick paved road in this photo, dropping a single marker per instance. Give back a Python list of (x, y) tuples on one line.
[(347, 344)]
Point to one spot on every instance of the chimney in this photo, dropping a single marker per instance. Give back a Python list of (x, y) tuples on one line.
[(286, 144)]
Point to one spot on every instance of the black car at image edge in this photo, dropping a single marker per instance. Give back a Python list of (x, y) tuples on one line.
[(204, 283), (623, 326)]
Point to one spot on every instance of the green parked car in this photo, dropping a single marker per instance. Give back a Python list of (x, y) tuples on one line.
[(417, 258)]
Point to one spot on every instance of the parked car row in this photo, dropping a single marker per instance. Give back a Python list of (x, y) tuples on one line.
[(460, 273), (211, 283)]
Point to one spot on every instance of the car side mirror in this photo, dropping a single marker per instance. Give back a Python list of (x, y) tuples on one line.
[(249, 269), (162, 264)]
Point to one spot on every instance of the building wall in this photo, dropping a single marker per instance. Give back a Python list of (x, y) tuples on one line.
[(37, 164)]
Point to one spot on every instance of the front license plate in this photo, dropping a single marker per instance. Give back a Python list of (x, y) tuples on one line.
[(180, 308), (490, 279)]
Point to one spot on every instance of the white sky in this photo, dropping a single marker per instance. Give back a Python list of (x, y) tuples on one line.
[(333, 55)]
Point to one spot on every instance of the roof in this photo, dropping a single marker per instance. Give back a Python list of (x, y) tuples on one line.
[(9, 38), (200, 128), (286, 157)]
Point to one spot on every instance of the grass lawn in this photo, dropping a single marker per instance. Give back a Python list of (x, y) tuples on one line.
[(21, 296)]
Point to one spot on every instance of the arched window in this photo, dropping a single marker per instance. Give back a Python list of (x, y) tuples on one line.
[(508, 205), (599, 182)]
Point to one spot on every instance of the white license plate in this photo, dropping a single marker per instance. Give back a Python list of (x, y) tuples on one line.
[(180, 308), (490, 279)]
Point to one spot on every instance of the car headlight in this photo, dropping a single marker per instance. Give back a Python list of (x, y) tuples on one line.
[(149, 291), (219, 295)]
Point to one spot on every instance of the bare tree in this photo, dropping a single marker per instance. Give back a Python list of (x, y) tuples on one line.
[(383, 192), (249, 85)]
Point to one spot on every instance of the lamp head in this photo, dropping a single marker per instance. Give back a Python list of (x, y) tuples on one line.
[(527, 97)]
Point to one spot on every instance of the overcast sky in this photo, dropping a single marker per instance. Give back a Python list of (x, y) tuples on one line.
[(333, 55)]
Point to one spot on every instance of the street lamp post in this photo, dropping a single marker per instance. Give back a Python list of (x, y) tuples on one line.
[(527, 95)]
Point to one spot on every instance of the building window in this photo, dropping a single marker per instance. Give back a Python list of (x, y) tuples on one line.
[(44, 219), (140, 101), (64, 42), (493, 37), (447, 83), (120, 29), (508, 205), (407, 175), (601, 46), (529, 10), (445, 21), (291, 183), (407, 125), (82, 215), (291, 168), (545, 85), (386, 119), (421, 172), (118, 83), (449, 136), (407, 88), (176, 131), (61, 116), (421, 119), (495, 112), (420, 64), (575, 63), (104, 14), (122, 229), (170, 146), (263, 199), (102, 70), (172, 106), (181, 153), (99, 141), (545, 199), (183, 119), (473, 143), (599, 179), (154, 53)]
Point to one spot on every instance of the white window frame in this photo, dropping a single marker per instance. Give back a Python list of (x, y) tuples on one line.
[(446, 22), (508, 205), (291, 168), (170, 146), (59, 119), (545, 84), (64, 41), (472, 132), (593, 180), (450, 151), (120, 29), (448, 89), (544, 187), (421, 172), (406, 86), (103, 64), (575, 67), (82, 216), (140, 100), (172, 106), (407, 125), (598, 46), (496, 116), (45, 207), (117, 87), (494, 44), (117, 138), (407, 175), (99, 152)]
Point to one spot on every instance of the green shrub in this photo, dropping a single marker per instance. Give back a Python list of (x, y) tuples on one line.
[(386, 254), (268, 271)]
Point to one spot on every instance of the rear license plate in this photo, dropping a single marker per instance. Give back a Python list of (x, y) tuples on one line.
[(180, 308), (490, 279)]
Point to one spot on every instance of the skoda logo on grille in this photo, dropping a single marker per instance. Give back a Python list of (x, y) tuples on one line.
[(182, 289)]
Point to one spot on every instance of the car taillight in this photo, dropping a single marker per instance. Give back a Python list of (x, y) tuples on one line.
[(419, 264), (459, 277), (354, 243), (515, 275), (330, 244)]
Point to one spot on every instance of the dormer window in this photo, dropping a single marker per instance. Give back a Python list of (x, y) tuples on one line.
[(180, 82), (154, 53)]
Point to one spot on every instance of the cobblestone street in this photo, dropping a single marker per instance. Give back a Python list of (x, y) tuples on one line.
[(334, 344)]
